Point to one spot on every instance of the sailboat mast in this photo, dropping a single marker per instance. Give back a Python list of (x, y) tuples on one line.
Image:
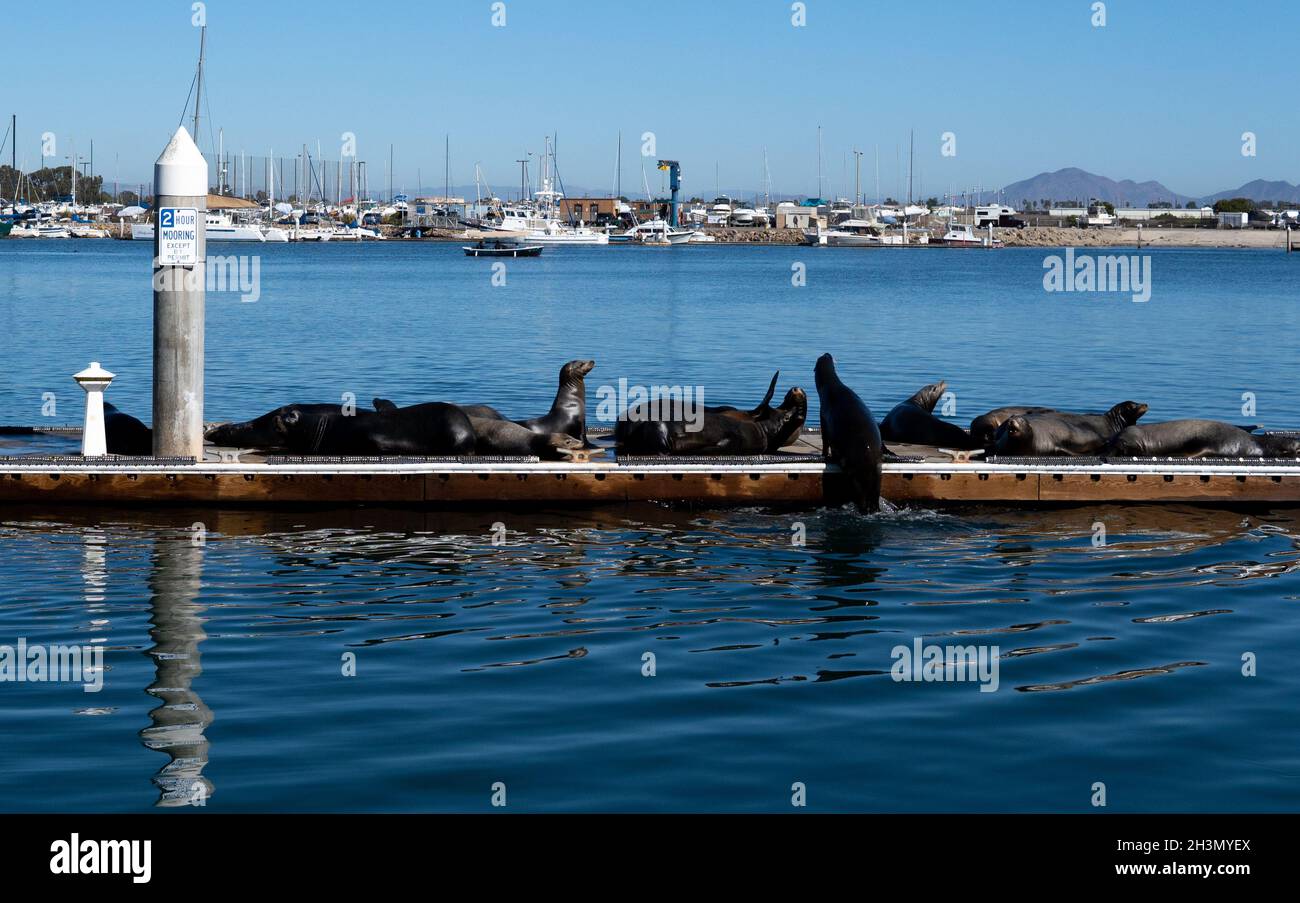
[(198, 94), (911, 157), (819, 162)]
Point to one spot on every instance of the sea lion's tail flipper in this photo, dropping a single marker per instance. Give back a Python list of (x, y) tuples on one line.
[(383, 404), (765, 404)]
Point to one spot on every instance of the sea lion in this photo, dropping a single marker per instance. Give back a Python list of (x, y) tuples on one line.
[(1199, 439), (433, 428), (984, 428), (505, 437), (850, 437), (1061, 433), (792, 413), (670, 429), (125, 435), (913, 421), (568, 413)]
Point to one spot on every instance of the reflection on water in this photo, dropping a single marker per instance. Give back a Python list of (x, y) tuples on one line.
[(177, 630), (525, 658)]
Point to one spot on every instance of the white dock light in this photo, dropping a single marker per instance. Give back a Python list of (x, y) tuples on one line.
[(94, 379)]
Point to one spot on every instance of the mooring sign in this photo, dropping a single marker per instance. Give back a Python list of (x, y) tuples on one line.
[(178, 236)]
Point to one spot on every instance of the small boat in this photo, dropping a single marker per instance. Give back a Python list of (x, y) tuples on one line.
[(501, 249), (4, 229), (962, 235)]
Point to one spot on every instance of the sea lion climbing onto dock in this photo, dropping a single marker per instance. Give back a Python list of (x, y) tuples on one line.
[(850, 437)]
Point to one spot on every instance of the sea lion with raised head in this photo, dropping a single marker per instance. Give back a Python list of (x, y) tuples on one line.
[(668, 428), (913, 421), (433, 428), (850, 437), (568, 413), (1061, 433), (1199, 439), (795, 403)]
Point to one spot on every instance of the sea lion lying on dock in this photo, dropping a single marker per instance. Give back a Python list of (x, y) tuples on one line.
[(568, 413), (125, 435), (505, 437), (1062, 433), (984, 428), (795, 401), (850, 437), (433, 428), (667, 428), (1199, 439), (913, 421)]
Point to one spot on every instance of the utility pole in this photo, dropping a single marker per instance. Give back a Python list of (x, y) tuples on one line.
[(523, 178)]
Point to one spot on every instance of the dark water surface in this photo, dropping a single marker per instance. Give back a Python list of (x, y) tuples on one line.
[(522, 662)]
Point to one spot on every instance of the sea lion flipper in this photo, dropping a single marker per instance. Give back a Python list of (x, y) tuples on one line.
[(383, 404)]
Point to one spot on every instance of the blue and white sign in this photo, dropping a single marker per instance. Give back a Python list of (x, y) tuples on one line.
[(178, 236)]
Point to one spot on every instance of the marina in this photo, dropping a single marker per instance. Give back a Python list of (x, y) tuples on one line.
[(372, 444)]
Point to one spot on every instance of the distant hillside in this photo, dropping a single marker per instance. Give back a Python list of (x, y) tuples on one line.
[(1260, 190), (1074, 184)]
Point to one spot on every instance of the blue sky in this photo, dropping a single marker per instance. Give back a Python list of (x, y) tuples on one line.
[(1163, 91)]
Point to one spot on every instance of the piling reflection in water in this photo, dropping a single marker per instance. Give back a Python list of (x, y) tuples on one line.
[(176, 628)]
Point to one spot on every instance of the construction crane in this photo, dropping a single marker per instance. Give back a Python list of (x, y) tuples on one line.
[(675, 183)]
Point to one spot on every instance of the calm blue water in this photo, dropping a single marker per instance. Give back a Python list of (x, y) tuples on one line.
[(522, 663)]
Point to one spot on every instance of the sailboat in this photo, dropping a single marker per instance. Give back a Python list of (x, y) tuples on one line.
[(538, 221)]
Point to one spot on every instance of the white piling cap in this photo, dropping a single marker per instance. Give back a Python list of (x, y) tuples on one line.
[(94, 373), (181, 170)]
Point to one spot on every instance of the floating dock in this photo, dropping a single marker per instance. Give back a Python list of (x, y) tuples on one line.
[(796, 477)]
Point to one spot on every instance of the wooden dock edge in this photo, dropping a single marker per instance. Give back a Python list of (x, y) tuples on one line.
[(802, 484)]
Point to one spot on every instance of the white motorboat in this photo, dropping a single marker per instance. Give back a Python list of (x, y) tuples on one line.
[(218, 227), (52, 232), (699, 236), (849, 233), (720, 211), (654, 231), (86, 231), (962, 235), (743, 216)]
